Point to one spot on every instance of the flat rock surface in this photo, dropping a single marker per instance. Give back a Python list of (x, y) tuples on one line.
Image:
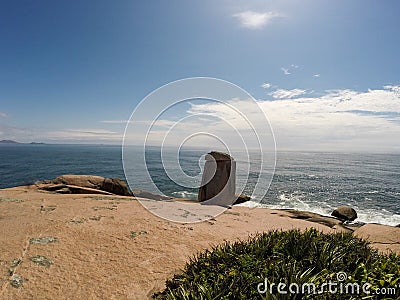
[(384, 238), (109, 247)]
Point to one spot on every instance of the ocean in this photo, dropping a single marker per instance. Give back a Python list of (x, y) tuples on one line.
[(311, 181)]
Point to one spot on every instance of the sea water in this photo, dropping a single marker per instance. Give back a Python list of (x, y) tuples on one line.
[(311, 181)]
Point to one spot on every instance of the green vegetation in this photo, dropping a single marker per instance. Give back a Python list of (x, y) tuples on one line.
[(96, 218), (236, 270), (135, 233), (41, 261), (14, 263), (109, 198), (43, 240), (96, 208), (17, 281), (48, 208), (79, 221), (11, 200)]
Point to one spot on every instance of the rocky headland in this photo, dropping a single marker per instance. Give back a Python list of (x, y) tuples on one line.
[(79, 237)]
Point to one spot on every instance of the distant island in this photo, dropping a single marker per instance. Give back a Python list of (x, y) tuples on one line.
[(15, 142), (8, 142)]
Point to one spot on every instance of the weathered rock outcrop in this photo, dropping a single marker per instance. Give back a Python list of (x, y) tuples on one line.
[(345, 213), (88, 181), (116, 186), (219, 180), (85, 184), (383, 237), (313, 217)]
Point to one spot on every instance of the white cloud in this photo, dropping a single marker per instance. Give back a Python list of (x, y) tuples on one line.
[(344, 119), (3, 115), (289, 70), (288, 94), (12, 132), (82, 134), (339, 120), (254, 20), (114, 121), (21, 134), (285, 71), (266, 85), (156, 123), (317, 75), (394, 88)]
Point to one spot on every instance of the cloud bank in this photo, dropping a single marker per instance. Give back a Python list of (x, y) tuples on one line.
[(266, 85), (339, 120), (336, 120), (255, 20), (287, 94)]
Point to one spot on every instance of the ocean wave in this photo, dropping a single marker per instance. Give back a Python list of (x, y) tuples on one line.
[(380, 216), (185, 194)]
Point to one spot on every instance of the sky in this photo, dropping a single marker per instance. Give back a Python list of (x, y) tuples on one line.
[(324, 73)]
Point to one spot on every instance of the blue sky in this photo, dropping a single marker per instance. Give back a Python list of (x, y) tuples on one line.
[(73, 71)]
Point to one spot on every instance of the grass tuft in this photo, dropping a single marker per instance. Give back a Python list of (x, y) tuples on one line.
[(11, 200), (43, 240), (137, 233), (41, 261)]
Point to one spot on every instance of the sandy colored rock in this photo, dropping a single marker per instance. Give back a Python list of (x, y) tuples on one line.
[(74, 189), (115, 186), (316, 218), (108, 247), (88, 181), (383, 237), (148, 195), (85, 184)]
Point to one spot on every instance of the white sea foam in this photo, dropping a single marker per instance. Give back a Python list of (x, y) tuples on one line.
[(364, 215), (185, 194)]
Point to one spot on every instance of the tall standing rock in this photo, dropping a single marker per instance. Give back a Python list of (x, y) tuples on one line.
[(218, 183)]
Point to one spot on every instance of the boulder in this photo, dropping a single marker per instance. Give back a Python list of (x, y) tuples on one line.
[(242, 198), (88, 181), (345, 213), (86, 184), (115, 186)]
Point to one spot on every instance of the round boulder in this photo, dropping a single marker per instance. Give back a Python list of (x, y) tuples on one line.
[(242, 198), (345, 213)]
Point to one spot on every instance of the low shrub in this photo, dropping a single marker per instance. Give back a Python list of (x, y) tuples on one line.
[(248, 269)]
